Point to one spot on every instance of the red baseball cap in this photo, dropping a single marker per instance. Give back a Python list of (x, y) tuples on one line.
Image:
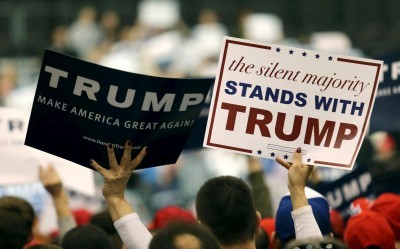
[(268, 225), (360, 204), (369, 229), (337, 223), (388, 204), (170, 213), (82, 216)]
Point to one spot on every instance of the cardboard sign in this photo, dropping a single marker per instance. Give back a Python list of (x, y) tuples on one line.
[(80, 107), (270, 99), (385, 115), (25, 161)]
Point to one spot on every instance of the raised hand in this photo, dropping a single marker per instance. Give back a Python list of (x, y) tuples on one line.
[(298, 174), (117, 177), (51, 180)]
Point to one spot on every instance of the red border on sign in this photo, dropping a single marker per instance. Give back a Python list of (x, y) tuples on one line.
[(217, 94)]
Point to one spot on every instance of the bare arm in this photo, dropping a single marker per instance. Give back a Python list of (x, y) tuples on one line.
[(298, 174), (52, 183), (261, 194), (132, 231), (303, 218)]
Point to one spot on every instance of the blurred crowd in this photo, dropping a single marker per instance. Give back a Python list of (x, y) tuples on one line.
[(159, 43)]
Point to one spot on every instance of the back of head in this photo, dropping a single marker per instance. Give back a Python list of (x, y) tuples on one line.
[(313, 243), (104, 221), (82, 216), (20, 207), (284, 225), (86, 236), (367, 230), (183, 235), (225, 205), (14, 233), (169, 214)]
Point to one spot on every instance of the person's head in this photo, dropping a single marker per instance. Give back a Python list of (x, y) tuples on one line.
[(24, 210), (388, 204), (169, 214), (14, 233), (183, 235), (82, 216), (20, 207), (225, 205), (369, 230), (43, 246), (104, 221), (384, 144), (86, 236), (337, 223), (314, 243), (284, 226)]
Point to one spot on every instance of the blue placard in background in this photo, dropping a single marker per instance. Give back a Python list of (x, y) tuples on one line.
[(386, 113)]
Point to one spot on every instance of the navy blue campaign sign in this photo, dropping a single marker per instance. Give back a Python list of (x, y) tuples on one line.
[(385, 114), (343, 191), (196, 138), (80, 107)]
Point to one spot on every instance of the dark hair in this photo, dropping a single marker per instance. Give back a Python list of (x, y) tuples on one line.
[(86, 236), (20, 207), (14, 233), (103, 220), (315, 243), (43, 246), (262, 240), (225, 205), (166, 237)]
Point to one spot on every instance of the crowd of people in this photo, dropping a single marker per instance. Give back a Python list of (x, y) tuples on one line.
[(208, 199), (225, 215)]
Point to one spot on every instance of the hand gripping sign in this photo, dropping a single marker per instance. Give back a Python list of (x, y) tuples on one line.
[(270, 99)]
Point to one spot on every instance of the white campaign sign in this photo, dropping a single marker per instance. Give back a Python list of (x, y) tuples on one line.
[(20, 164), (270, 99)]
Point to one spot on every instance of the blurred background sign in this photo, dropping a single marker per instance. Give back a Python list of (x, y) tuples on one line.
[(385, 115)]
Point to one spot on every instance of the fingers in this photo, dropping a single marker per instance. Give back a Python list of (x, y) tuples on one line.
[(41, 173), (51, 170), (97, 167), (126, 157), (283, 162), (297, 157), (139, 158), (112, 160), (309, 169)]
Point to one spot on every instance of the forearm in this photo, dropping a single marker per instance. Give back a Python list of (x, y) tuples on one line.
[(303, 218), (61, 204), (261, 194), (65, 218), (298, 197), (118, 207)]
